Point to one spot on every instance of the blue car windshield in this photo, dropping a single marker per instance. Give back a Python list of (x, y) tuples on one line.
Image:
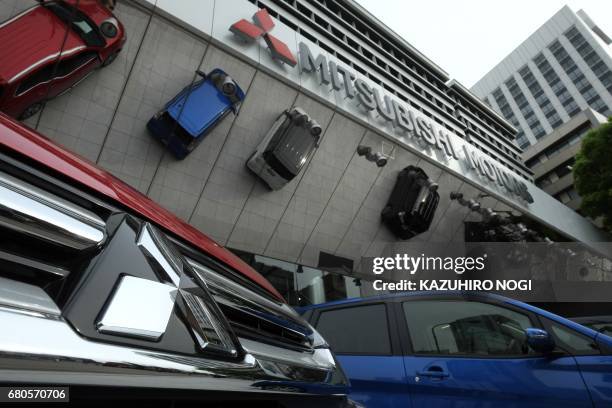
[(198, 108)]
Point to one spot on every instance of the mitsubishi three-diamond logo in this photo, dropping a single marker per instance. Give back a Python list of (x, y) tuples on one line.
[(261, 27)]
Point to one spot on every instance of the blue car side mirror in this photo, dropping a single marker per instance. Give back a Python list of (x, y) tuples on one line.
[(540, 340)]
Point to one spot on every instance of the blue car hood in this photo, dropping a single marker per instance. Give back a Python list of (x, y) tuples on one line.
[(199, 108)]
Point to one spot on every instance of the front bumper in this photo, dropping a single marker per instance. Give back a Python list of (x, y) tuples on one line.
[(42, 348)]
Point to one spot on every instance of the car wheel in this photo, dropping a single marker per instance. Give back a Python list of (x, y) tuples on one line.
[(31, 110), (111, 58)]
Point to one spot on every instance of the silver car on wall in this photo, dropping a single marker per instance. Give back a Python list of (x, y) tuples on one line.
[(286, 148)]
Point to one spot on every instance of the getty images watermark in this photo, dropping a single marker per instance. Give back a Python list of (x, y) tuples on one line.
[(412, 266)]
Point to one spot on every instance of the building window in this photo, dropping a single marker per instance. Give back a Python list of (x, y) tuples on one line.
[(589, 55)]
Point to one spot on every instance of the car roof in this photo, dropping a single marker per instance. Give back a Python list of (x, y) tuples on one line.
[(198, 107), (33, 38), (454, 294)]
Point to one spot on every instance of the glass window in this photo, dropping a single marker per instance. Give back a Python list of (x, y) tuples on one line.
[(69, 65), (572, 341), (41, 76), (605, 328), (356, 330), (466, 328), (79, 22)]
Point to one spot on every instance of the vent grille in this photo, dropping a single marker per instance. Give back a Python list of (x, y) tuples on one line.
[(253, 316)]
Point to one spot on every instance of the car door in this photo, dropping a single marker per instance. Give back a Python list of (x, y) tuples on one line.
[(71, 70), (473, 354), (595, 365), (31, 88), (368, 352)]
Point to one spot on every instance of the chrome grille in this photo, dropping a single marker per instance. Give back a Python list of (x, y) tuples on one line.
[(253, 315)]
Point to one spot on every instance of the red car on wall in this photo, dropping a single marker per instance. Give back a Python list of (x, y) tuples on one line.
[(50, 47)]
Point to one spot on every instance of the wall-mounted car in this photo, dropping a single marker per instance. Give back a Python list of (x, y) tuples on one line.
[(286, 148), (412, 204), (184, 122), (49, 48)]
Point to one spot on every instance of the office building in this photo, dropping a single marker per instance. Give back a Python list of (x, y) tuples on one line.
[(552, 158), (562, 69)]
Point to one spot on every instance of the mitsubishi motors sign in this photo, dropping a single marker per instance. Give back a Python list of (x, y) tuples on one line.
[(406, 121), (409, 122)]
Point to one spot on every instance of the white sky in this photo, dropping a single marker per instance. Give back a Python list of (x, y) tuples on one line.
[(467, 38)]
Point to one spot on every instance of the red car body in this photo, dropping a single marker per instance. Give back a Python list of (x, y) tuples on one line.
[(17, 138), (50, 47)]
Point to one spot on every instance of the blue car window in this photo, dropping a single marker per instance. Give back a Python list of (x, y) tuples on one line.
[(466, 328), (356, 330), (572, 341)]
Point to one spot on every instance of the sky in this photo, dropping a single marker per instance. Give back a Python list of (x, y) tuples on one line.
[(467, 38)]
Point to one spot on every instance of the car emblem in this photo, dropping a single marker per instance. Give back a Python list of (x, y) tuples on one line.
[(261, 27)]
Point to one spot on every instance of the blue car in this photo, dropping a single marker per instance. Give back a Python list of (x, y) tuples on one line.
[(184, 122), (464, 350)]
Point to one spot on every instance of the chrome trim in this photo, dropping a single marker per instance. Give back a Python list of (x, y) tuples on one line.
[(231, 294), (320, 358), (44, 60), (50, 346), (206, 322), (21, 295), (138, 308), (32, 211), (156, 247), (52, 270)]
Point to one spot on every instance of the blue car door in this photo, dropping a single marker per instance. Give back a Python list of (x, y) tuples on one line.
[(473, 354), (595, 362), (367, 347)]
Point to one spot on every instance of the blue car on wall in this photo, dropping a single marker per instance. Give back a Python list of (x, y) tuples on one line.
[(464, 350), (184, 122)]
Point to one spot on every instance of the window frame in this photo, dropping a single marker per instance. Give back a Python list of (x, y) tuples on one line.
[(91, 55), (392, 332), (407, 340), (548, 323), (48, 66)]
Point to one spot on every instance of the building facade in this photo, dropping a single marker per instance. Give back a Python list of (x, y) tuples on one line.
[(562, 69), (552, 158), (364, 85)]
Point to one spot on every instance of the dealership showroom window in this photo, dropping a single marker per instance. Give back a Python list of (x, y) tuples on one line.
[(291, 203)]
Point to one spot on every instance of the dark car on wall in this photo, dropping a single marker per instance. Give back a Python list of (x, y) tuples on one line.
[(464, 350), (103, 289), (49, 48)]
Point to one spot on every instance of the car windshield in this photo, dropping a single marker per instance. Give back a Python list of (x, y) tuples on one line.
[(79, 22)]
